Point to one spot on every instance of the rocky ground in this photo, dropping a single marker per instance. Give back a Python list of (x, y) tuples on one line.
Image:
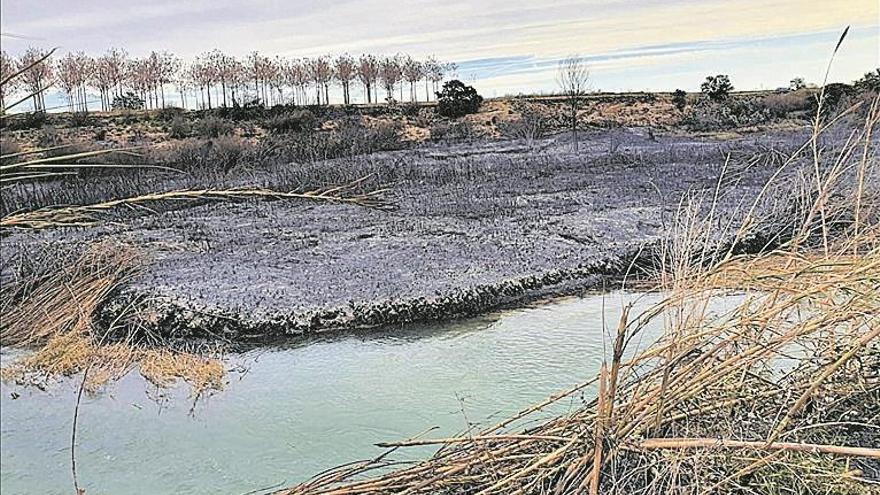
[(476, 227)]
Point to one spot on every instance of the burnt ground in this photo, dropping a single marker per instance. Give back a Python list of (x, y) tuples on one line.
[(476, 227)]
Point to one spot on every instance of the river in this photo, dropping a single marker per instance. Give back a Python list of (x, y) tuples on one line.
[(291, 411)]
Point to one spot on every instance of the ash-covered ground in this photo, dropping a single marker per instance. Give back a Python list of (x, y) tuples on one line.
[(476, 227)]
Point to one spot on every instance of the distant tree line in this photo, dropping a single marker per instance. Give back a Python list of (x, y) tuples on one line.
[(215, 79)]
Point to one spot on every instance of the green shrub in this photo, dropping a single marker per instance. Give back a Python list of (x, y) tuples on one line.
[(870, 82), (679, 99), (128, 101), (457, 100), (717, 88)]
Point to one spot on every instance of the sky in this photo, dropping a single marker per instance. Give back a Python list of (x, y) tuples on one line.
[(501, 46)]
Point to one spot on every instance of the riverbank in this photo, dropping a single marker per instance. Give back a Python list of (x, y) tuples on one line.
[(475, 227)]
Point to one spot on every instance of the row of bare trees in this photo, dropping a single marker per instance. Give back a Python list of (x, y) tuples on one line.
[(218, 79)]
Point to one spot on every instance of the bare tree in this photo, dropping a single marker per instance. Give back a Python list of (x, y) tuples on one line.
[(297, 77), (68, 77), (169, 66), (213, 77), (236, 77), (102, 79), (573, 78), (428, 70), (390, 73), (346, 69), (261, 71), (321, 73), (37, 75), (436, 71), (413, 71), (7, 69), (203, 76), (116, 61), (368, 73), (276, 80)]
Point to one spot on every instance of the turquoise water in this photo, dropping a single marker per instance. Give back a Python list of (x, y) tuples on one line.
[(291, 411)]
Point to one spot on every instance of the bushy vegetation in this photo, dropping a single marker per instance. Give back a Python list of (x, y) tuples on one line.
[(128, 101), (211, 126), (195, 155), (31, 120), (717, 88), (679, 99), (457, 100), (80, 119), (444, 131), (789, 104), (533, 122), (711, 115), (299, 120), (869, 82), (179, 127)]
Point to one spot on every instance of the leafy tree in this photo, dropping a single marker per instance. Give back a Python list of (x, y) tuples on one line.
[(679, 99), (717, 88), (457, 99), (870, 82)]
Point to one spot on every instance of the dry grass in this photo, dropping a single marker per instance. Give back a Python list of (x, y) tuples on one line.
[(51, 307), (61, 216), (780, 394)]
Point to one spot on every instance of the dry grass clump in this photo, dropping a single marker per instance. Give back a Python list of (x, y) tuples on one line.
[(163, 367), (50, 305)]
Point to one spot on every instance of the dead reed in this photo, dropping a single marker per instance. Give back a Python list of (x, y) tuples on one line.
[(61, 216), (51, 307), (780, 394)]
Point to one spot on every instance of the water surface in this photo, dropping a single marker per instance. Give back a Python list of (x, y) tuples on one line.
[(289, 412)]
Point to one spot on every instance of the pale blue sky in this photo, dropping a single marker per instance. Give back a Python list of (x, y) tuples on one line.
[(501, 46)]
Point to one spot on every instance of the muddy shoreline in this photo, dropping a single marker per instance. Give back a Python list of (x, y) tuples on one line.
[(476, 228)]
